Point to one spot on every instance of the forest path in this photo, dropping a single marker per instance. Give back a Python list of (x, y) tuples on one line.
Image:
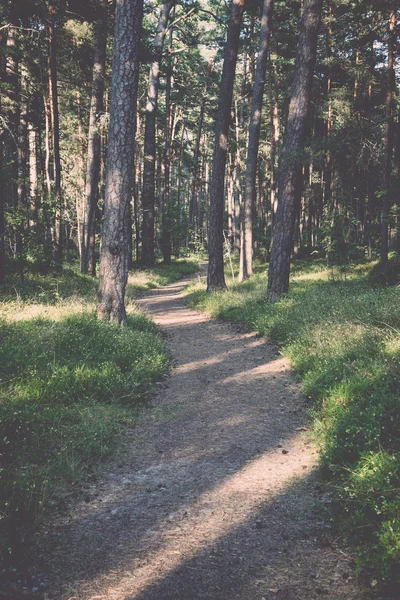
[(215, 496)]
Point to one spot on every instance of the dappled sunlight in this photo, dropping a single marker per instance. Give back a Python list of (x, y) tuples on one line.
[(63, 309), (316, 276), (215, 359), (199, 525), (275, 367)]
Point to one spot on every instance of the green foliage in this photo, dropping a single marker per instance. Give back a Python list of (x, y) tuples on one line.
[(338, 238), (68, 383), (343, 337), (64, 389)]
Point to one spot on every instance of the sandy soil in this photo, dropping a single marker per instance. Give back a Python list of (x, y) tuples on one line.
[(215, 495)]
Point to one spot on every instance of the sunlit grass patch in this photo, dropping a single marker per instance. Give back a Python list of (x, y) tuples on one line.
[(343, 338), (68, 384)]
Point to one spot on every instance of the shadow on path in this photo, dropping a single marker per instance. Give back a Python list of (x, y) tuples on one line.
[(216, 497)]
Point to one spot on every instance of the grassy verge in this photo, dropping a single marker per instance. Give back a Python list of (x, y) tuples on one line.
[(68, 384), (343, 338)]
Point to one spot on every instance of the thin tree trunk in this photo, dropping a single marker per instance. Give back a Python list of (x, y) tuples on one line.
[(246, 255), (389, 136), (94, 141), (238, 196), (119, 169), (195, 180), (2, 219), (33, 177), (274, 152), (166, 225), (80, 187), (13, 115), (230, 185), (148, 200), (179, 186), (290, 164), (22, 168), (56, 133), (328, 168), (215, 277)]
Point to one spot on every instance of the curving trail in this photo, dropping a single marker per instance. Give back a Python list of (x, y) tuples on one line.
[(214, 496)]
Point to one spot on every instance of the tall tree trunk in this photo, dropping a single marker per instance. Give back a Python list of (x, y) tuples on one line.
[(166, 225), (274, 152), (290, 163), (13, 113), (215, 276), (238, 196), (33, 176), (195, 180), (328, 167), (80, 184), (94, 141), (148, 200), (56, 132), (119, 169), (389, 136), (22, 168), (2, 219), (246, 255), (17, 120)]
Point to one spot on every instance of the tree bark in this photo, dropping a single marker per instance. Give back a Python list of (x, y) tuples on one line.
[(148, 200), (389, 136), (238, 195), (52, 67), (290, 163), (246, 255), (119, 168), (13, 112), (2, 218), (94, 140), (166, 225), (215, 276), (33, 176)]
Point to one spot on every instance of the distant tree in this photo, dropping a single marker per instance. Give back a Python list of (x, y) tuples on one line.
[(94, 142), (389, 134), (148, 256), (246, 254)]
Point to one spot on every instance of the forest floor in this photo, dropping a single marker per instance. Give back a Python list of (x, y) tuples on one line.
[(215, 493)]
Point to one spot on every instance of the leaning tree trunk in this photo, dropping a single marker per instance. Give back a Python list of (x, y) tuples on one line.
[(148, 200), (290, 163), (215, 277), (119, 168), (389, 135), (246, 255), (94, 141)]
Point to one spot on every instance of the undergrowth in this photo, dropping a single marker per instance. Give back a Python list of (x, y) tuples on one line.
[(68, 384), (343, 338)]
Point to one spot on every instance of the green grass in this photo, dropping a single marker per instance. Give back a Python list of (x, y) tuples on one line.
[(343, 338), (68, 385)]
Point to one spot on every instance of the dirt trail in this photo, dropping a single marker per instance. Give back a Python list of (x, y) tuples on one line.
[(216, 496)]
